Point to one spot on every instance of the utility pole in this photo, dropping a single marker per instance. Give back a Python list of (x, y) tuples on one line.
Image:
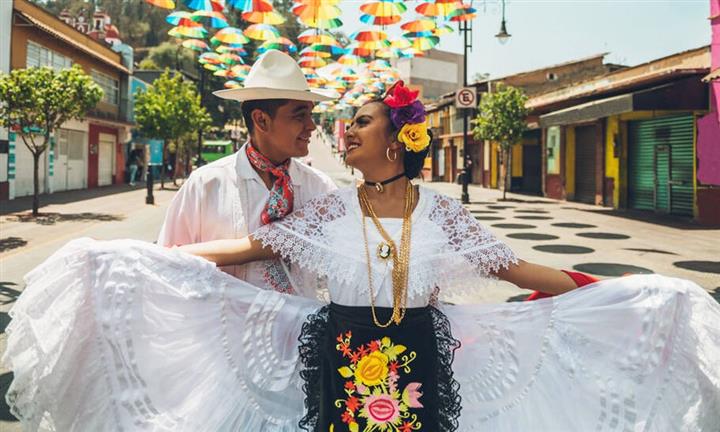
[(465, 196)]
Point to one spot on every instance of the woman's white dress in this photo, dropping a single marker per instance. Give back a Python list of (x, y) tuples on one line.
[(125, 335)]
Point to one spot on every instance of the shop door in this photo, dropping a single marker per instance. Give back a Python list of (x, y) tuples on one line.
[(61, 161), (585, 150), (106, 152), (76, 160), (532, 176)]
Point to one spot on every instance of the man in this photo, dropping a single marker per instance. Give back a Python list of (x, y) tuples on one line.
[(235, 195)]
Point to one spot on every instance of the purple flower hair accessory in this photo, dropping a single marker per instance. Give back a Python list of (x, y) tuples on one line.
[(413, 113)]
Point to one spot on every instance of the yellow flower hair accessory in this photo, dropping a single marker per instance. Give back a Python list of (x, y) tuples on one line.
[(414, 136)]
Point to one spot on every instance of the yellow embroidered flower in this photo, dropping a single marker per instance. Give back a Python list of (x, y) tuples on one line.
[(414, 136), (372, 369)]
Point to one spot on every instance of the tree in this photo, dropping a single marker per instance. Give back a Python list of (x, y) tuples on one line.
[(169, 55), (170, 110), (501, 118), (36, 101)]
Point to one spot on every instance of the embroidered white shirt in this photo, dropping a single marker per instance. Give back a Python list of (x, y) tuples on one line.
[(225, 199)]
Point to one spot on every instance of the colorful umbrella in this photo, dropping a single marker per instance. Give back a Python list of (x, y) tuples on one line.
[(333, 50), (230, 35), (239, 71), (261, 32), (230, 84), (231, 59), (415, 35), (194, 44), (180, 19), (425, 43), (389, 52), (378, 65), (206, 5), (311, 36), (165, 4), (188, 32), (215, 19), (325, 11), (359, 51), (382, 12), (369, 36), (419, 25), (400, 43), (262, 12), (372, 45), (210, 58), (350, 60), (280, 44), (311, 62), (464, 12), (234, 49), (307, 52), (442, 30), (437, 9)]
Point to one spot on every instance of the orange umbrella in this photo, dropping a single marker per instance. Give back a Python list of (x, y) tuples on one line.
[(382, 12), (262, 12), (369, 36), (311, 62), (437, 9), (165, 4), (419, 25)]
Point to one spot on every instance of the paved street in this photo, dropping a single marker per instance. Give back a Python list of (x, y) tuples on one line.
[(559, 234)]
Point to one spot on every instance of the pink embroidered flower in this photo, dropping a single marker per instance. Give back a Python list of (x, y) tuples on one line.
[(411, 394), (381, 408)]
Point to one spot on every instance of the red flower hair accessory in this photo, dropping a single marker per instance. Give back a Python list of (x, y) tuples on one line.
[(399, 96)]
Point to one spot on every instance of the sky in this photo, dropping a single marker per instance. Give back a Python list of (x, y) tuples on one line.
[(548, 32)]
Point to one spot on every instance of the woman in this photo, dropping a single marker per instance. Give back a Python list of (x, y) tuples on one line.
[(123, 335)]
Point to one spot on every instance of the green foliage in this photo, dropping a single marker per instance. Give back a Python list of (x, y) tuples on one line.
[(41, 99), (148, 64), (501, 116), (170, 109), (169, 55)]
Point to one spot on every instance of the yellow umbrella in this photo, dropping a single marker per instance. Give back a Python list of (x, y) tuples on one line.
[(261, 32)]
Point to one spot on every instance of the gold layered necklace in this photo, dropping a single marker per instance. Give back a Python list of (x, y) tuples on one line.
[(388, 249)]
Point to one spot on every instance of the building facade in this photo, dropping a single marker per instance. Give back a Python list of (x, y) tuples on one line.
[(84, 153), (629, 139), (485, 158)]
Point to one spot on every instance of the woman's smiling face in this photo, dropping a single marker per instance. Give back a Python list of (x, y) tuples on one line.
[(369, 136)]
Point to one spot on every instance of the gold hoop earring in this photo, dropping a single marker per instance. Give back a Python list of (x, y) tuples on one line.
[(387, 155)]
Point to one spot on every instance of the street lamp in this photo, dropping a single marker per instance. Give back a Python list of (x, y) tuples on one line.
[(503, 36), (465, 196)]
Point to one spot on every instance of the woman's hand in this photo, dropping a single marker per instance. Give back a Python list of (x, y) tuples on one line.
[(230, 251), (537, 277)]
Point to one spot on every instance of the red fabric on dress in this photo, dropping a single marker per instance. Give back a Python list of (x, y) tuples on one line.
[(580, 279)]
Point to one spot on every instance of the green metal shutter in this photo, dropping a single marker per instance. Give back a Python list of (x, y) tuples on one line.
[(681, 164), (641, 167), (660, 175)]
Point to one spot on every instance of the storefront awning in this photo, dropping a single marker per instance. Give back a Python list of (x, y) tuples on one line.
[(712, 76), (687, 94)]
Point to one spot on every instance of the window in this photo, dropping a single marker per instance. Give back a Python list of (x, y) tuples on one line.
[(552, 77), (39, 56), (109, 86)]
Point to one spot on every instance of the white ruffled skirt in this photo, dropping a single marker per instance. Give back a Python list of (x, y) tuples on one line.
[(129, 336)]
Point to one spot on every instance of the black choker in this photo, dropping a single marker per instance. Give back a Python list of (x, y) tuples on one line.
[(379, 185)]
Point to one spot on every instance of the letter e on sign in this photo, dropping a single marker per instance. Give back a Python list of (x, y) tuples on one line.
[(465, 97)]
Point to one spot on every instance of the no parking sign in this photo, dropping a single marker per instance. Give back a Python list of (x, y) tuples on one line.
[(465, 97)]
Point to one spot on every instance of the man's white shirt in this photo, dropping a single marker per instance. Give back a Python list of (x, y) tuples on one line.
[(225, 199)]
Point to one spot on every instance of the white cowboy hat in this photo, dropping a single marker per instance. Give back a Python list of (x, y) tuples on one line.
[(275, 75)]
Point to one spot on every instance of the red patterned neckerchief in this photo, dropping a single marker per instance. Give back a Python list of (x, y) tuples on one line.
[(280, 203)]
